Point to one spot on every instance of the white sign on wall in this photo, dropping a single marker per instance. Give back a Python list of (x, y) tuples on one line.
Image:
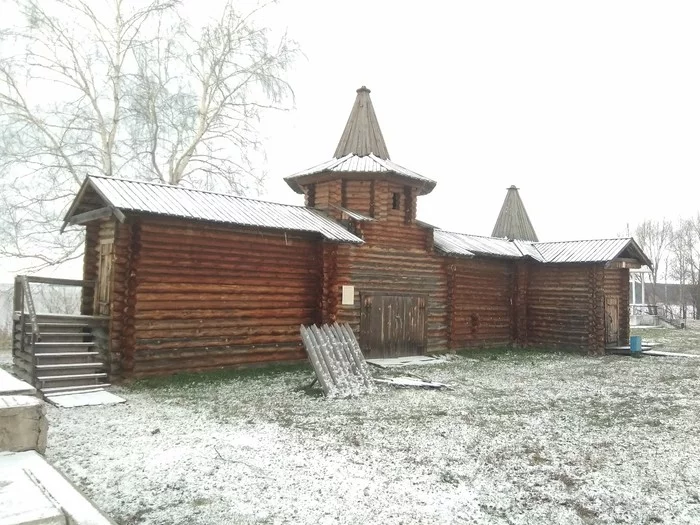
[(348, 295)]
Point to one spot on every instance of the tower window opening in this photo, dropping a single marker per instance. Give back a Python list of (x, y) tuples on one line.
[(396, 201)]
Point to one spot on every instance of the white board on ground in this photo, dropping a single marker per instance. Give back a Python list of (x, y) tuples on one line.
[(659, 353), (393, 362), (410, 382), (81, 399)]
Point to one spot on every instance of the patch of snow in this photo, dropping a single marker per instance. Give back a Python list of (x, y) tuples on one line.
[(523, 437)]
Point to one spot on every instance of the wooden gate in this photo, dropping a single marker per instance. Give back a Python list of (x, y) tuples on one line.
[(612, 321), (393, 325), (103, 288)]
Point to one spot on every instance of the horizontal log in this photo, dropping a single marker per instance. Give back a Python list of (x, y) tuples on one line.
[(223, 265), (229, 250), (213, 353), (290, 330), (305, 315), (223, 323), (146, 369), (210, 343), (265, 304), (190, 231), (250, 293)]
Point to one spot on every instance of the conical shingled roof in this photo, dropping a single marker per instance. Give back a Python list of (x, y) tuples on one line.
[(513, 221), (362, 134), (361, 154)]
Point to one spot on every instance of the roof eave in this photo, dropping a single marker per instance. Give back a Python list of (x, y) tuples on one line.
[(644, 259), (356, 241), (297, 182), (76, 202), (78, 198)]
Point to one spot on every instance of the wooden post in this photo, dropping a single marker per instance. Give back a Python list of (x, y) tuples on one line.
[(451, 320), (596, 339)]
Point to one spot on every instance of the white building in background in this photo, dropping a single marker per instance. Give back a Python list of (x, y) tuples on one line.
[(642, 313)]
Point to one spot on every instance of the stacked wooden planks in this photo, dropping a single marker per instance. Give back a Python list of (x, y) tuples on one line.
[(336, 357)]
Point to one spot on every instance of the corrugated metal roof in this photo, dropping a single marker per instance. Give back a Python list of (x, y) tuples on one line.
[(599, 250), (462, 244), (352, 163), (592, 251), (513, 221), (176, 201), (362, 134), (528, 250)]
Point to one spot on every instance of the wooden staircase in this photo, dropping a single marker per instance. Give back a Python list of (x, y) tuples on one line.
[(58, 353)]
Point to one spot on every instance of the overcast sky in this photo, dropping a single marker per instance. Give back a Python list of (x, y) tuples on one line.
[(591, 108)]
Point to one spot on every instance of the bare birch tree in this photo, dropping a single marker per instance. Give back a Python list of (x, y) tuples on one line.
[(685, 264), (654, 237), (125, 88)]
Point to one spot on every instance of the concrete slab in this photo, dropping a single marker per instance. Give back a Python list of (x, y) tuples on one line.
[(11, 386), (22, 502), (80, 399), (23, 424), (78, 509)]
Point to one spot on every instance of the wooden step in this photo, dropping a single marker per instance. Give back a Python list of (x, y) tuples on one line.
[(61, 335), (96, 375), (89, 320), (66, 354), (61, 324), (63, 344), (68, 366), (65, 389)]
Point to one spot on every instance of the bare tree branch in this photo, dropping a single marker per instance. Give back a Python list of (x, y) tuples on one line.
[(130, 88)]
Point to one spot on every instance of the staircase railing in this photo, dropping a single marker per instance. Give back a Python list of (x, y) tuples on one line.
[(27, 292), (26, 331)]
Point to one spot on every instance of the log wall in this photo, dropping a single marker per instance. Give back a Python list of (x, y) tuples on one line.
[(395, 262), (357, 195), (480, 293), (563, 310), (200, 296)]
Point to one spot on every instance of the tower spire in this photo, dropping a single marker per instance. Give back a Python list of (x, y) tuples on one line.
[(513, 221), (362, 134)]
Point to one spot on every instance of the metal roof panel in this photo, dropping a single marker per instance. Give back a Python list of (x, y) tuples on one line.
[(588, 251), (176, 201), (464, 244)]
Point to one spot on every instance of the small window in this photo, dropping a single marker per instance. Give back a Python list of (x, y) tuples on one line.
[(396, 201)]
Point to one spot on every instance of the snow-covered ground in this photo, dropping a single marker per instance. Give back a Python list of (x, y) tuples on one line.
[(523, 437)]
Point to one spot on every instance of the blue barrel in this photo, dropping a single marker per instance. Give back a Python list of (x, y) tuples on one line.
[(636, 343)]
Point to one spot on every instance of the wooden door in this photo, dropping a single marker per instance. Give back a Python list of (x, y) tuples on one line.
[(393, 325), (103, 286), (612, 321)]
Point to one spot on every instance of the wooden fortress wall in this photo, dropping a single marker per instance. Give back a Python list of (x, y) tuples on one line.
[(191, 296)]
